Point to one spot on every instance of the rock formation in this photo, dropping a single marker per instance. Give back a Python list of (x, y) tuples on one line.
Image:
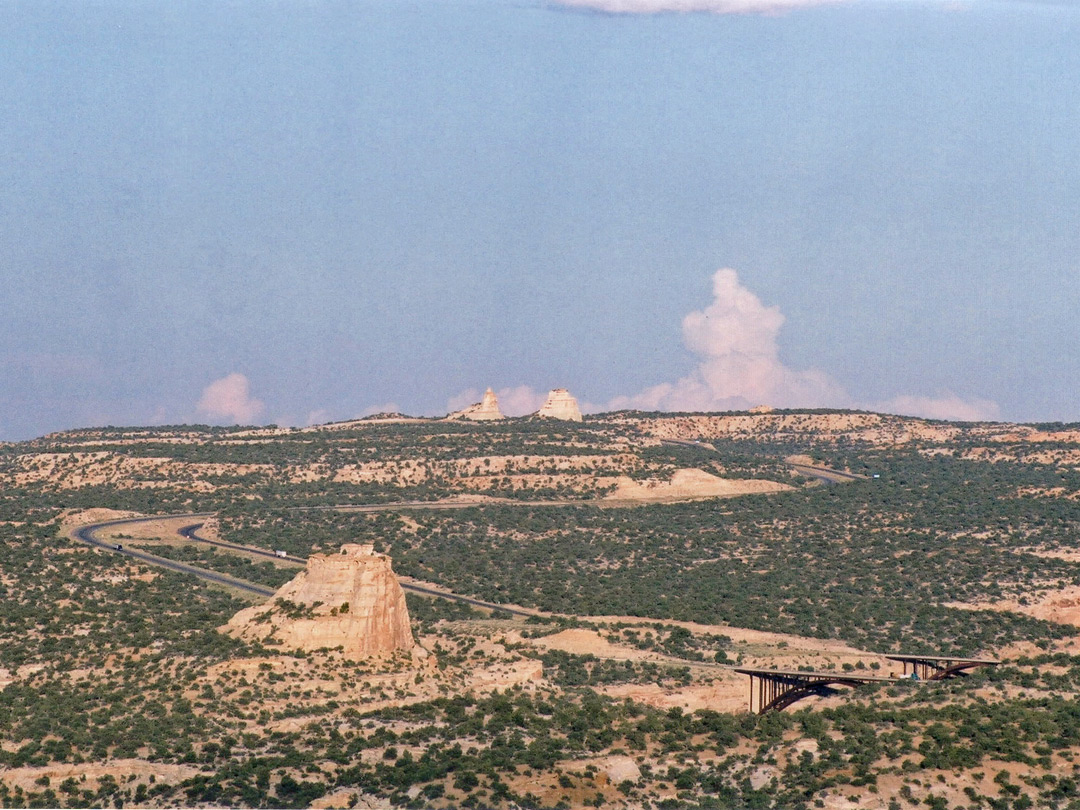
[(351, 599), (486, 410), (560, 404)]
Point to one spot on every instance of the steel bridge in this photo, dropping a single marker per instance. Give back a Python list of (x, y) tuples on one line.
[(939, 667), (777, 689)]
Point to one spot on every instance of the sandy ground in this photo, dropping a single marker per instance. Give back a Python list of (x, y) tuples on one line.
[(77, 519), (121, 769), (690, 484), (1061, 605)]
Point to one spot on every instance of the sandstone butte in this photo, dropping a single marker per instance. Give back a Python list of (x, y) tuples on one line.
[(486, 410), (351, 599), (560, 404)]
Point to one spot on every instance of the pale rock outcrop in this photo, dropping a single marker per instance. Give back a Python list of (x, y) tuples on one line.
[(351, 599), (688, 484), (486, 410), (621, 768), (560, 404)]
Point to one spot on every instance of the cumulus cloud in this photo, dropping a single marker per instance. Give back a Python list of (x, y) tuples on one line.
[(739, 367), (229, 400), (947, 406), (770, 7), (735, 338)]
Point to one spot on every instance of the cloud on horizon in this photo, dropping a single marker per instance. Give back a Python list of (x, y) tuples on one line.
[(735, 338), (767, 7), (385, 407), (229, 400), (946, 406)]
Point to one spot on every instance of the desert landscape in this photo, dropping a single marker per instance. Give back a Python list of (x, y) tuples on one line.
[(541, 612), (540, 404)]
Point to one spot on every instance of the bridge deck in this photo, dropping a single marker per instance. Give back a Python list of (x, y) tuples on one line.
[(940, 667), (952, 659), (834, 675), (779, 688)]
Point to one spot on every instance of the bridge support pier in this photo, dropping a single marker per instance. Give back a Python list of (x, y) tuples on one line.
[(778, 689)]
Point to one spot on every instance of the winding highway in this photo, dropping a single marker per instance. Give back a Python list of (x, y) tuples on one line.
[(826, 475), (88, 535)]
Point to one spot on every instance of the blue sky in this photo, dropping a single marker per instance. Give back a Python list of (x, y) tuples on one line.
[(332, 207)]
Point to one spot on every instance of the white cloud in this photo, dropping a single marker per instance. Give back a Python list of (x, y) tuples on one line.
[(319, 416), (386, 407), (735, 337), (520, 401), (947, 406), (229, 400), (735, 340), (769, 7)]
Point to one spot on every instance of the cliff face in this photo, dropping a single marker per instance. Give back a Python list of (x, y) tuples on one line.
[(486, 410), (351, 599), (560, 404)]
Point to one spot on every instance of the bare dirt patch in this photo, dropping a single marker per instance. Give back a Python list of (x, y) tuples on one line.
[(1060, 605), (689, 484), (77, 519), (120, 769)]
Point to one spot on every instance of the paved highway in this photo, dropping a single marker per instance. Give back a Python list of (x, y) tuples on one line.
[(190, 532), (88, 535), (827, 475), (441, 505)]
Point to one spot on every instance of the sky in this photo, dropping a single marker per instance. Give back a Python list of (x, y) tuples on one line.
[(300, 211)]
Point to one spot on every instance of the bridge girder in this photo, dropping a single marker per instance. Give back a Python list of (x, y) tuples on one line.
[(777, 690), (938, 668)]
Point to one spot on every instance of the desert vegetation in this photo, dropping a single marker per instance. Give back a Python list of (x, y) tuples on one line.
[(118, 687)]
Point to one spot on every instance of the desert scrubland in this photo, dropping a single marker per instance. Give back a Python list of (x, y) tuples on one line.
[(645, 557)]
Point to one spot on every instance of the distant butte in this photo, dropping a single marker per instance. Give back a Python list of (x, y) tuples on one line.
[(560, 404), (486, 410)]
